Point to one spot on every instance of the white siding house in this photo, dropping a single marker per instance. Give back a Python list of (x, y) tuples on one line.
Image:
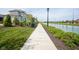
[(19, 14)]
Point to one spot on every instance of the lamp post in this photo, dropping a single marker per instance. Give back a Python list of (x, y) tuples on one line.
[(47, 16), (73, 16), (73, 20)]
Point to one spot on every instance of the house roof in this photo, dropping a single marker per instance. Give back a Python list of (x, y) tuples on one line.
[(1, 15), (77, 19), (18, 10)]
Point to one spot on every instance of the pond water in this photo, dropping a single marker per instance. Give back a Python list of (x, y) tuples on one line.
[(66, 28)]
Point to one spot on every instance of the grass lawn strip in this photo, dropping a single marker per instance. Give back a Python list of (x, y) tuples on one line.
[(14, 38)]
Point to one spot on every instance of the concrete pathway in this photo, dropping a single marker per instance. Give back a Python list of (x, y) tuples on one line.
[(39, 40), (1, 24)]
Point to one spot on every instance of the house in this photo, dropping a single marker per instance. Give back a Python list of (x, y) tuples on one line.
[(77, 20), (19, 14), (1, 17)]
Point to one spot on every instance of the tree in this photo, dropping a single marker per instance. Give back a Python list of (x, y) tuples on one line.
[(34, 22), (31, 21), (7, 21), (29, 16), (15, 21), (72, 21)]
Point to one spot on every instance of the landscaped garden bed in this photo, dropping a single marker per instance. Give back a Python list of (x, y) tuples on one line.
[(13, 34), (70, 39)]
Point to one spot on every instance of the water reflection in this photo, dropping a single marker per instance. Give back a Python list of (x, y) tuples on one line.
[(67, 28)]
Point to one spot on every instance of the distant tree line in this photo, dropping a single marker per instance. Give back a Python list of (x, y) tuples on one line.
[(66, 21), (70, 21)]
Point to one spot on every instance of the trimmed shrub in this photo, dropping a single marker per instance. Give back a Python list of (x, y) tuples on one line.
[(16, 21), (70, 43), (56, 32), (34, 22), (28, 23), (69, 38), (7, 21)]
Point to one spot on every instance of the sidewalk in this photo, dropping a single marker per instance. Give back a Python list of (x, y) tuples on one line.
[(39, 40), (1, 24)]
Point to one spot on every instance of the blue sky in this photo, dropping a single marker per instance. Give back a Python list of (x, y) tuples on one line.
[(56, 14)]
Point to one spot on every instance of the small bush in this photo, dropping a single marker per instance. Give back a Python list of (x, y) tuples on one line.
[(56, 32), (34, 22), (22, 23), (69, 38), (28, 23), (15, 21), (7, 21)]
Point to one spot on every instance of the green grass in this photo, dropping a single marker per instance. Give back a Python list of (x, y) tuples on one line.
[(13, 38), (70, 39)]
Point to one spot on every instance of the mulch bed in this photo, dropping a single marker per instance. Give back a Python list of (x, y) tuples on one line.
[(58, 43)]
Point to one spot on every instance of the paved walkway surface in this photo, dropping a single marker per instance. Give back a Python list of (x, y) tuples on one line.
[(1, 24), (39, 40)]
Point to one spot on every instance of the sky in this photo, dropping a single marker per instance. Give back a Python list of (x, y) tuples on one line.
[(55, 14)]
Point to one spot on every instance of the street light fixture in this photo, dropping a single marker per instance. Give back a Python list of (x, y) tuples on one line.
[(73, 19), (47, 16), (73, 16)]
